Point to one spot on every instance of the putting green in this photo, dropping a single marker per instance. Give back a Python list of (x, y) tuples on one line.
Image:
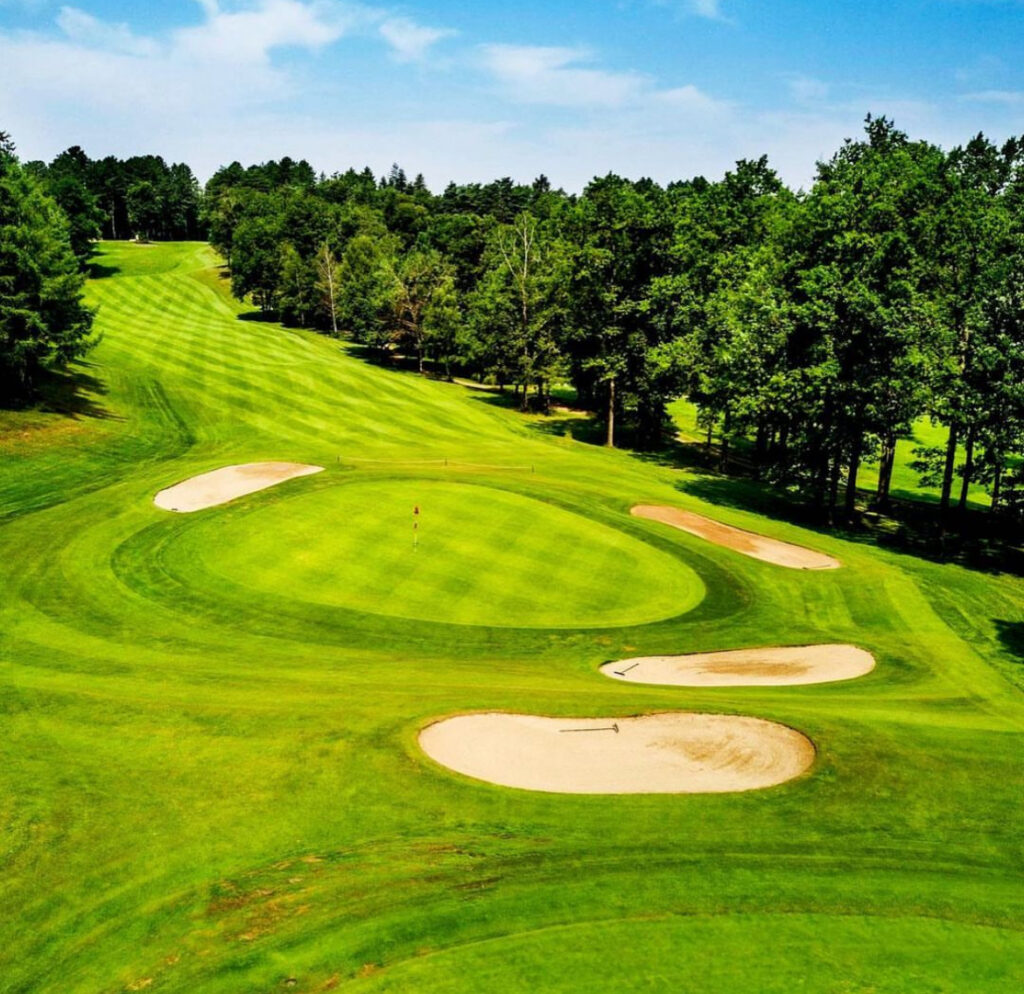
[(482, 557)]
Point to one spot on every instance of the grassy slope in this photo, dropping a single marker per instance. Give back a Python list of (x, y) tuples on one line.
[(211, 783)]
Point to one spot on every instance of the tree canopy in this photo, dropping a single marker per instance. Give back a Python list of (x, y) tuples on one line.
[(42, 317)]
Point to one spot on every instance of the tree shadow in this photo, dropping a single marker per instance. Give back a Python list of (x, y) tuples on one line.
[(99, 271), (260, 317), (71, 393), (1011, 635), (758, 498), (588, 430), (910, 528)]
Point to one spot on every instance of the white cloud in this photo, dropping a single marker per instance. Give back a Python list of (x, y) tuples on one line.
[(540, 74), (983, 70), (1008, 98), (91, 32), (552, 75), (249, 35), (219, 90), (690, 98), (711, 9), (410, 41), (806, 89)]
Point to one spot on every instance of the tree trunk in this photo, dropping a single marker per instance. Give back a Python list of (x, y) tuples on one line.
[(947, 473), (761, 448), (851, 480), (885, 468), (610, 440), (780, 452), (997, 485), (833, 485), (965, 487), (723, 463)]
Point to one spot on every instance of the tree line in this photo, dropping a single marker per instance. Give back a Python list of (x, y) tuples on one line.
[(42, 317), (812, 328)]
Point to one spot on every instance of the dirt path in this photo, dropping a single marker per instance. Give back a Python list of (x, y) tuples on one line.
[(769, 550), (776, 666), (674, 753), (223, 485)]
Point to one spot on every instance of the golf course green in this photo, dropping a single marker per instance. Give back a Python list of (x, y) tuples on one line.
[(478, 555), (210, 771)]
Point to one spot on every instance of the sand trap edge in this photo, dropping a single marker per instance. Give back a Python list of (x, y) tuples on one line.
[(738, 667), (221, 486), (747, 543), (798, 741)]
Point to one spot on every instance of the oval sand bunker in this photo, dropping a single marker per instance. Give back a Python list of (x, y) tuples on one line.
[(787, 665), (223, 485), (675, 753), (769, 550)]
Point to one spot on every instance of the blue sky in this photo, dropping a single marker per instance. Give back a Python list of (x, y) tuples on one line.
[(475, 90)]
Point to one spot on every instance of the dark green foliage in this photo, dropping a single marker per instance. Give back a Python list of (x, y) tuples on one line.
[(811, 330), (42, 317)]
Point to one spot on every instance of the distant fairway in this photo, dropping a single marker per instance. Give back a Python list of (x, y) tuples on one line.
[(210, 777), (482, 556)]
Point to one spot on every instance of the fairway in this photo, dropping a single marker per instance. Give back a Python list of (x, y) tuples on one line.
[(211, 773), (478, 555)]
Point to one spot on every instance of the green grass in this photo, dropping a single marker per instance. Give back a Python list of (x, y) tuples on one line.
[(209, 778), (481, 555)]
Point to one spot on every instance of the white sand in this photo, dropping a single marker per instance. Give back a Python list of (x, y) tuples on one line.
[(674, 753), (769, 550), (787, 665), (223, 485)]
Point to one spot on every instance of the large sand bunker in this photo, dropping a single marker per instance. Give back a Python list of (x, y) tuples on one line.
[(786, 665), (770, 550), (676, 753), (223, 485)]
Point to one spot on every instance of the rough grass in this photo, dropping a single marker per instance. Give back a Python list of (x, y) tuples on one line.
[(209, 778)]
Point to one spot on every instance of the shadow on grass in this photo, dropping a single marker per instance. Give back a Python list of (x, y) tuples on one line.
[(581, 429), (70, 393), (261, 317), (758, 498), (974, 540), (1011, 635), (98, 271)]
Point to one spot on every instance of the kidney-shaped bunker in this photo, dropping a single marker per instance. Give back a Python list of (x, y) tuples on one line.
[(672, 753), (784, 665)]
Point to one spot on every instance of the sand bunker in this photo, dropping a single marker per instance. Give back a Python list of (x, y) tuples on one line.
[(769, 550), (786, 665), (676, 753), (223, 485)]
